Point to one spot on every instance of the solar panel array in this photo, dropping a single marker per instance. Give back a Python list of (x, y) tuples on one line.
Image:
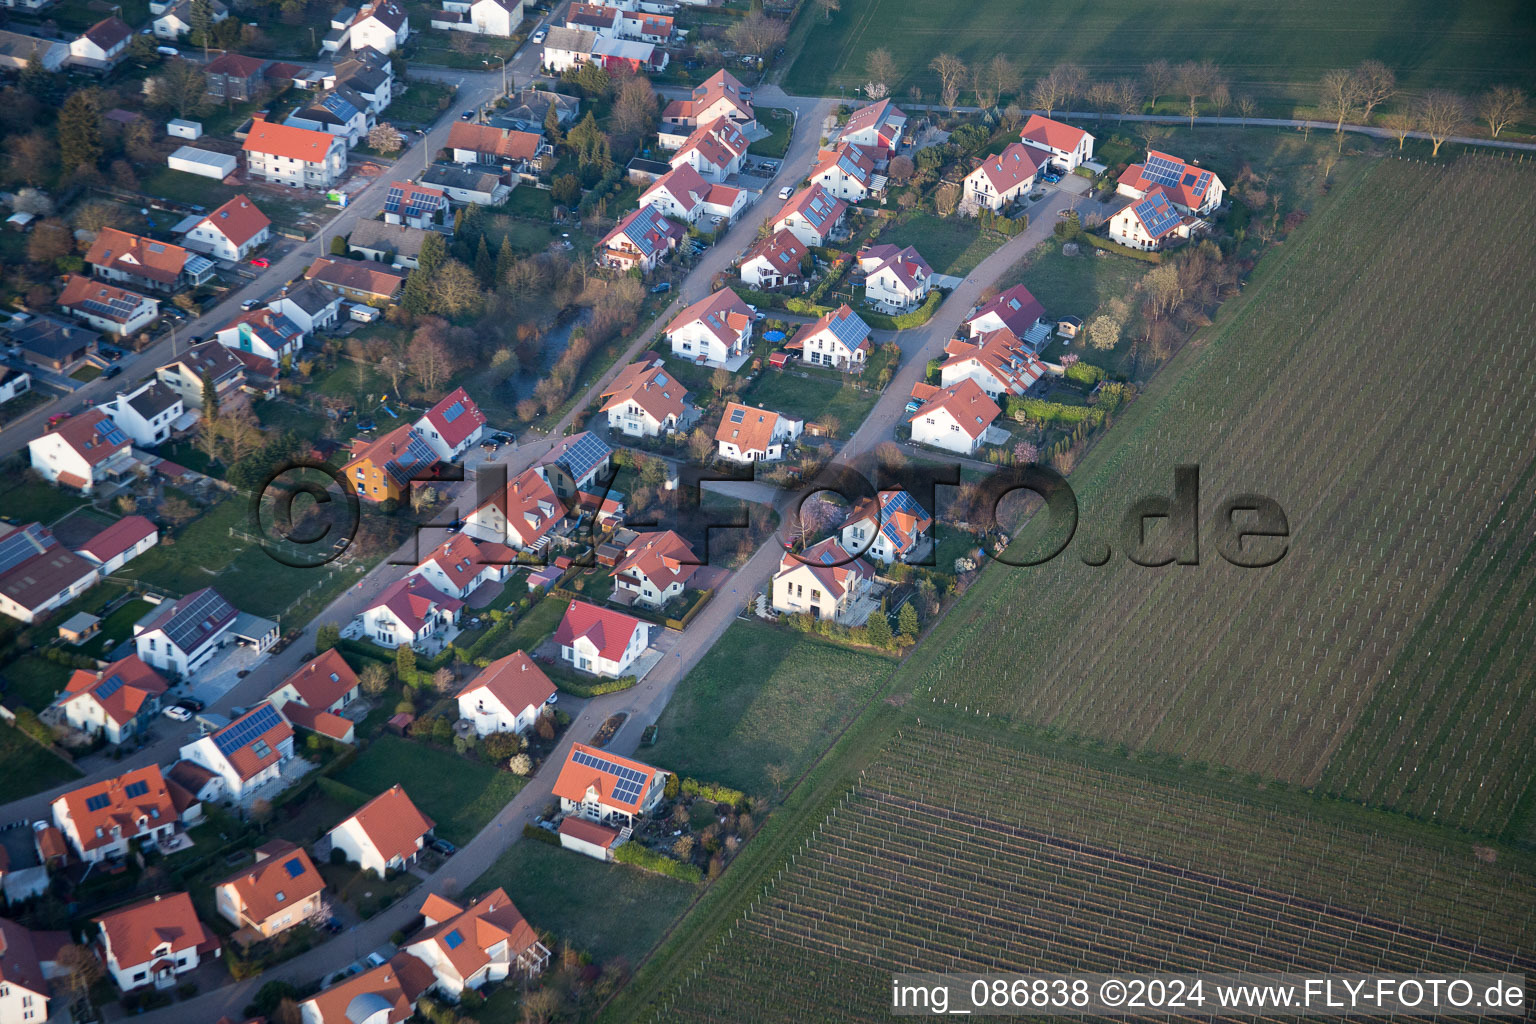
[(112, 684), (585, 453), (136, 789), (1202, 183), (116, 308), (737, 415), (417, 454), (1158, 215), (628, 783), (111, 433), (453, 412), (1163, 171), (850, 330), (294, 867), (188, 626), (454, 939), (339, 106), (894, 502), (97, 802), (248, 729), (392, 199), (22, 545)]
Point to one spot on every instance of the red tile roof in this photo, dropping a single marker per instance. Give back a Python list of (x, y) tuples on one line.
[(79, 288), (1016, 307), (136, 932), (723, 314), (718, 142), (1051, 134), (752, 433), (1190, 177), (530, 506), (322, 681), (608, 630), (245, 759), (965, 402), (236, 65), (575, 779), (289, 141), (468, 420), (515, 681), (781, 249), (117, 538), (664, 558), (130, 815), (136, 255), (486, 922), (83, 434), (385, 981), (683, 183), (355, 275), (498, 142), (831, 564), (122, 688), (650, 386), (589, 831), (282, 876), (412, 599), (392, 823), (1016, 163), (238, 220)]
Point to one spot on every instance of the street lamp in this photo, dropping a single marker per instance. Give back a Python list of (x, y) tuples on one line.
[(503, 73)]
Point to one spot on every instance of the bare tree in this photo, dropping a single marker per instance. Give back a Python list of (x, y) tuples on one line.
[(1221, 96), (1100, 97), (1073, 80), (374, 678), (1339, 95), (1157, 78), (1197, 79), (385, 137), (758, 33), (1049, 93), (981, 84), (1375, 83), (1399, 125), (951, 71), (635, 110), (1245, 108), (1441, 115), (1127, 96), (1500, 107), (1151, 132), (80, 967), (876, 90), (881, 67), (1005, 76)]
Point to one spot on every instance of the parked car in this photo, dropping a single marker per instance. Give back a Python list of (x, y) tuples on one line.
[(190, 703), (250, 304), (468, 115), (444, 847), (538, 36), (177, 714), (502, 438), (662, 288), (112, 371), (237, 711), (262, 262), (786, 191), (333, 925), (376, 960), (554, 698)]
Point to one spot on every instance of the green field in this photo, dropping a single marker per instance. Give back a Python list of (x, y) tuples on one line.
[(33, 681), (582, 900), (26, 501), (458, 793), (1274, 52), (422, 104), (782, 124), (951, 245), (762, 696), (26, 767), (813, 398)]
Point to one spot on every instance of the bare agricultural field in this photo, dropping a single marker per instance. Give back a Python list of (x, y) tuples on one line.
[(1377, 387), (1054, 866)]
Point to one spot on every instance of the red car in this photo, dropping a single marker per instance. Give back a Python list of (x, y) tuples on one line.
[(261, 261)]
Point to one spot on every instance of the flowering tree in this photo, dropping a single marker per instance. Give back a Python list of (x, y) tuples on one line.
[(1025, 453)]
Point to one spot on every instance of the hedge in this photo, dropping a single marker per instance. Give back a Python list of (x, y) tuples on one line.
[(1087, 373), (543, 835), (341, 792), (646, 859), (913, 318), (580, 688), (1118, 249), (711, 791), (1052, 412)]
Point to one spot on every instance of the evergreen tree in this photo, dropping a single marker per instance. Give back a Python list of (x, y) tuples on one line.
[(552, 124), (416, 295), (880, 630), (210, 400), (405, 664), (504, 260), (906, 619), (200, 21), (433, 252), (37, 80), (80, 131), (484, 265)]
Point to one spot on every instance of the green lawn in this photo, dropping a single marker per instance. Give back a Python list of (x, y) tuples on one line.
[(25, 501), (1080, 286), (27, 768), (951, 245), (527, 201), (782, 124), (813, 399), (762, 696), (86, 373), (33, 681), (581, 899), (460, 794), (1276, 52), (422, 103), (285, 208), (539, 623)]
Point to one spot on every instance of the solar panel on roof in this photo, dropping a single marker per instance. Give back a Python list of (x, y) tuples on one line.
[(136, 789), (294, 867), (416, 454), (628, 783), (246, 729), (1158, 219), (453, 412), (1162, 170), (850, 330), (392, 199), (111, 433), (22, 545), (584, 454), (454, 939), (97, 802), (108, 688), (827, 558), (737, 415), (197, 618)]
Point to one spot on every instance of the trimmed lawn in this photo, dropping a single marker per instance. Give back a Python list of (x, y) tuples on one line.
[(782, 124), (1276, 53), (117, 626), (762, 696), (458, 793), (527, 201), (813, 398), (33, 681), (27, 768), (366, 895), (422, 103), (1080, 286), (24, 501), (532, 628), (580, 899), (952, 245)]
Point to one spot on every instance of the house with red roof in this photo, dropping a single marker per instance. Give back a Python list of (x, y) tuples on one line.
[(386, 994), (811, 215), (102, 45), (501, 147), (589, 838), (877, 128), (485, 942), (1152, 222), (83, 452), (954, 418), (895, 279), (314, 696), (601, 641), (28, 961), (521, 515), (262, 332), (279, 890), (460, 564), (1014, 308), (120, 543), (409, 611), (288, 155), (656, 567), (248, 753), (642, 238), (720, 95), (889, 527), (234, 77), (1008, 176), (106, 307), (40, 574), (386, 832), (382, 469), (145, 263), (645, 400), (845, 171), (506, 696), (452, 425), (748, 433), (232, 232), (715, 150), (715, 330), (106, 820), (606, 788), (1190, 188), (1071, 147), (824, 581), (118, 701), (154, 942), (839, 339), (684, 194), (774, 262), (417, 206), (998, 361)]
